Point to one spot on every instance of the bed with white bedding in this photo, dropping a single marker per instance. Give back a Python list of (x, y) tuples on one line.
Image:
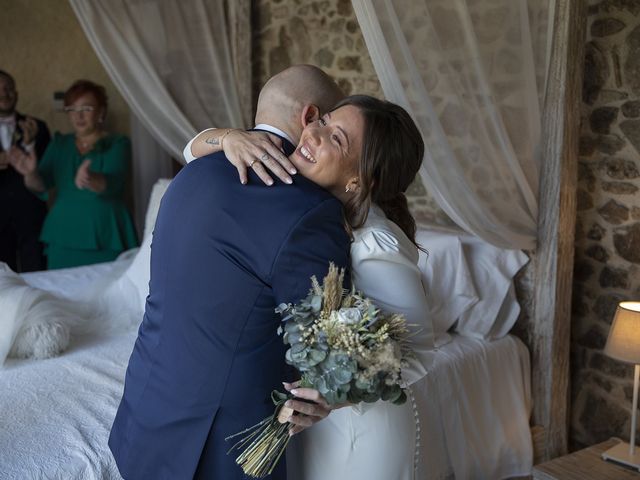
[(474, 405), (55, 414)]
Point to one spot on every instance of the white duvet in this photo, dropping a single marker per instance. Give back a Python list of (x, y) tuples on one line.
[(55, 414)]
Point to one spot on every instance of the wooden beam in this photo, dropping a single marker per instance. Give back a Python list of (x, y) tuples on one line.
[(553, 262)]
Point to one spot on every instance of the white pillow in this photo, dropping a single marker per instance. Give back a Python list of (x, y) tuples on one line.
[(157, 192), (137, 276), (447, 280), (469, 282), (507, 316), (492, 270)]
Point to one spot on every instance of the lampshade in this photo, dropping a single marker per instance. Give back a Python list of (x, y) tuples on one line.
[(624, 337)]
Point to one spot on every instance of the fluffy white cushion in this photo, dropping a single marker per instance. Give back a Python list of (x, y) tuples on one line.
[(33, 323)]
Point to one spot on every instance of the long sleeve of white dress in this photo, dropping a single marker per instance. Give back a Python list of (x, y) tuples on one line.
[(186, 153), (385, 267)]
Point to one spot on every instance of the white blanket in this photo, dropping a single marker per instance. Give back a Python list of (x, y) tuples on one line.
[(474, 409), (38, 322), (56, 413)]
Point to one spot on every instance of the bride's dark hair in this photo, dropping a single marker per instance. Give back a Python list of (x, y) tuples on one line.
[(392, 153)]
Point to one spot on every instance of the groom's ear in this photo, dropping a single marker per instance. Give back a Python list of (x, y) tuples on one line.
[(310, 113)]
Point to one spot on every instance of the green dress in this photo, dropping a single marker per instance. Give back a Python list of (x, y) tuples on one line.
[(84, 227)]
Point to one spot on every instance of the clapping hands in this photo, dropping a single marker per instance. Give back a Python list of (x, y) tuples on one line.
[(29, 130), (24, 163), (83, 176), (88, 180)]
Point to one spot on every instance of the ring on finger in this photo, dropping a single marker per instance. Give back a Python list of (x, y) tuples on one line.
[(264, 157), (251, 164)]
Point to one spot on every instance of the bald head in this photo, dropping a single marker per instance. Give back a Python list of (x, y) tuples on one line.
[(284, 96)]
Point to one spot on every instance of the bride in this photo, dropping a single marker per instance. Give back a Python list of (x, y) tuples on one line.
[(367, 441)]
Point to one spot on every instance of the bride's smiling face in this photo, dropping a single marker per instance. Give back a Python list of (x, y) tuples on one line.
[(330, 148)]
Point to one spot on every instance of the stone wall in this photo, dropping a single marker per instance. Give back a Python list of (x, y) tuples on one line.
[(320, 32), (607, 262)]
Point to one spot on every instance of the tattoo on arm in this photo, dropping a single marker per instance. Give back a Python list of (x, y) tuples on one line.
[(213, 141)]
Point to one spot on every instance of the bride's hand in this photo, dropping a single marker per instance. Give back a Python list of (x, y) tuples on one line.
[(302, 414), (260, 151)]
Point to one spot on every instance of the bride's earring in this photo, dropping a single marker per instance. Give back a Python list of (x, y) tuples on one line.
[(352, 186)]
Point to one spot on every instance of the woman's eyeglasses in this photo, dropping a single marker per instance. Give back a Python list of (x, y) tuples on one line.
[(81, 108)]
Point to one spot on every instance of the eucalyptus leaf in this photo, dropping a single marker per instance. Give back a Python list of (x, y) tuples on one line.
[(345, 387), (341, 375), (321, 385), (331, 398), (298, 347), (294, 337), (299, 356), (317, 356), (291, 327), (401, 399)]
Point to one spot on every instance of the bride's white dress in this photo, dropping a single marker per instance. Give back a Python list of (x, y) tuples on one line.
[(374, 441)]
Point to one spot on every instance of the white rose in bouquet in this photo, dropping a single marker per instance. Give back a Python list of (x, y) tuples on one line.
[(349, 316)]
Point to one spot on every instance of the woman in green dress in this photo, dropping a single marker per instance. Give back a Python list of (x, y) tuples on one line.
[(89, 222)]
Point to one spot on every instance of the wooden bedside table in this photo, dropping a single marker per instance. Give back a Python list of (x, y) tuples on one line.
[(586, 464)]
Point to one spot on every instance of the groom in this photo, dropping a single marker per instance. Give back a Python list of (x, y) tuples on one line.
[(223, 256)]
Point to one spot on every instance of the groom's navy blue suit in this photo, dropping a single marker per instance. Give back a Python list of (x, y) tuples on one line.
[(223, 256)]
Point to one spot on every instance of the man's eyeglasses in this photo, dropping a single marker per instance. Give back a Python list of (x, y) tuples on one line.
[(81, 108)]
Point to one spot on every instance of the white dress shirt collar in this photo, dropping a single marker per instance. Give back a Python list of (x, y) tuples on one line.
[(7, 128), (272, 129)]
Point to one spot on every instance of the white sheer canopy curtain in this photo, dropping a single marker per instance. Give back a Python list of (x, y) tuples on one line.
[(181, 65), (471, 73)]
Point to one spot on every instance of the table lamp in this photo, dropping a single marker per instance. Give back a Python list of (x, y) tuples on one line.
[(624, 344)]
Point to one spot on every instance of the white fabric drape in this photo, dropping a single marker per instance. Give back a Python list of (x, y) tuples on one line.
[(146, 173), (181, 66), (469, 73), (170, 60)]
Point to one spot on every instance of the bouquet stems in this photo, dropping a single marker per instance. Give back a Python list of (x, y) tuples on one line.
[(264, 443)]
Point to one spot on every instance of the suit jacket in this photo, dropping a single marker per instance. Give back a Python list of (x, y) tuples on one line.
[(10, 180), (22, 212), (207, 356)]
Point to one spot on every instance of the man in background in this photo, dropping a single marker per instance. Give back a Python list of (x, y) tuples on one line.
[(21, 212)]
